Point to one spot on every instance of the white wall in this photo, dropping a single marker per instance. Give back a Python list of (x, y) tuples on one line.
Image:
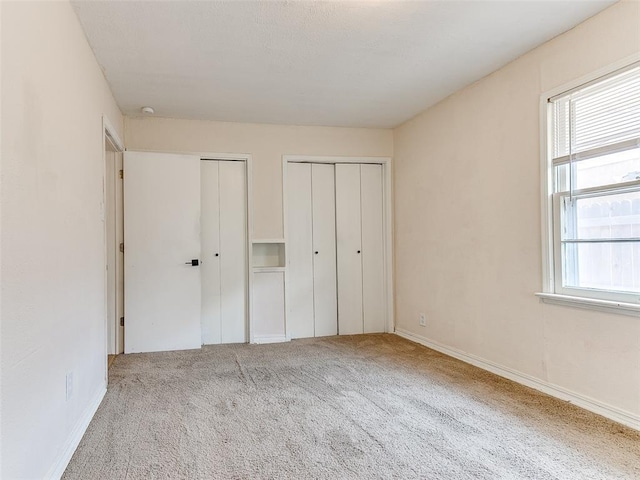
[(266, 144), (53, 305), (468, 228)]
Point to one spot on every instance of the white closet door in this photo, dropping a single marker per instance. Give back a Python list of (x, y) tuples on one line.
[(233, 251), (299, 293), (210, 255), (348, 235), (161, 236), (373, 291), (324, 248)]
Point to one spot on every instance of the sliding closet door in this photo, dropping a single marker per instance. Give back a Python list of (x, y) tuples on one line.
[(348, 234), (373, 291), (324, 250), (233, 251), (299, 252), (210, 255), (162, 237)]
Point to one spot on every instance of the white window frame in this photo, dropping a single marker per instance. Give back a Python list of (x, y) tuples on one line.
[(552, 288)]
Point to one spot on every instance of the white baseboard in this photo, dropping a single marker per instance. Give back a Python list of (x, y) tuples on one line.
[(616, 414), (58, 468), (270, 339)]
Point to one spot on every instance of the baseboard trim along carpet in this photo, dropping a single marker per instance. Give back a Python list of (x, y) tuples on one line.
[(58, 468), (595, 406)]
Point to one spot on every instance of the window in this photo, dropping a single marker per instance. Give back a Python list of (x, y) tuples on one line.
[(594, 169)]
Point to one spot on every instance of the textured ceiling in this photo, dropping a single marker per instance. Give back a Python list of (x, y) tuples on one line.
[(349, 63)]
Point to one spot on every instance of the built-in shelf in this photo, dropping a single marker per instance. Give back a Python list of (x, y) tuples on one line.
[(268, 254), (268, 269)]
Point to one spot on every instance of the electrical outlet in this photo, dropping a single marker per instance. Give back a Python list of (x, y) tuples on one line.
[(69, 385), (422, 320)]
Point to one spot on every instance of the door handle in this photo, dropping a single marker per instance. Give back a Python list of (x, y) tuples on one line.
[(217, 254), (194, 263), (316, 252), (358, 251)]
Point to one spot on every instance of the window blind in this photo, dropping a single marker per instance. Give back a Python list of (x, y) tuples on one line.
[(598, 118)]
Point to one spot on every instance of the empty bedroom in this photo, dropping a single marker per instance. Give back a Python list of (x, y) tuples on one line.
[(320, 239)]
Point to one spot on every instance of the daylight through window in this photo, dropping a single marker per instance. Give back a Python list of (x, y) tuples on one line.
[(595, 138)]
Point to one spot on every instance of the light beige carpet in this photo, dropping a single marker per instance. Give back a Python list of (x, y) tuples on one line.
[(369, 406)]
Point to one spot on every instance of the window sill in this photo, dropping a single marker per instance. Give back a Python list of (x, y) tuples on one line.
[(608, 306)]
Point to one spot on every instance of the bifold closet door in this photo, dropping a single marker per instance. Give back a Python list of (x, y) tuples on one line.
[(360, 239), (325, 306), (233, 251), (210, 268), (373, 291), (349, 248), (299, 295), (224, 251), (162, 237)]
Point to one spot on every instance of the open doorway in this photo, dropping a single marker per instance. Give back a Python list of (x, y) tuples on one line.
[(114, 238)]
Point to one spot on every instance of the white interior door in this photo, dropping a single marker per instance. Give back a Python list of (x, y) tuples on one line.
[(210, 252), (349, 247), (162, 236), (324, 249), (119, 256), (233, 251), (112, 247), (373, 291), (299, 293)]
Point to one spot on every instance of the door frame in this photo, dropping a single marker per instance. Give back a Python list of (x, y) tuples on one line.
[(248, 160), (109, 137), (387, 195)]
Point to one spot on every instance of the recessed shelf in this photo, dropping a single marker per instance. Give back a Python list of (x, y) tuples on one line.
[(268, 254)]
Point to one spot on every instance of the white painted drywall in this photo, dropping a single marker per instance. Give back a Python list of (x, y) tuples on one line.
[(468, 229), (266, 144), (53, 289)]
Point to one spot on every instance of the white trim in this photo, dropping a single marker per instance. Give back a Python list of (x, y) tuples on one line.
[(109, 134), (613, 413), (248, 159), (622, 308), (249, 185), (268, 240), (334, 159), (58, 468), (546, 190), (264, 339), (549, 275), (108, 127), (387, 172)]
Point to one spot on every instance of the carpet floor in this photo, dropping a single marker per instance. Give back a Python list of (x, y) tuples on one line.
[(357, 407)]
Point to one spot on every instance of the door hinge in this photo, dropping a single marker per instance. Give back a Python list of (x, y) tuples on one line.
[(122, 321), (121, 173), (122, 248)]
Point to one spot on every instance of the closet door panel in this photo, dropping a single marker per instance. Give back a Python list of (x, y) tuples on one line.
[(210, 266), (324, 250), (373, 286), (299, 295), (348, 235), (233, 251)]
